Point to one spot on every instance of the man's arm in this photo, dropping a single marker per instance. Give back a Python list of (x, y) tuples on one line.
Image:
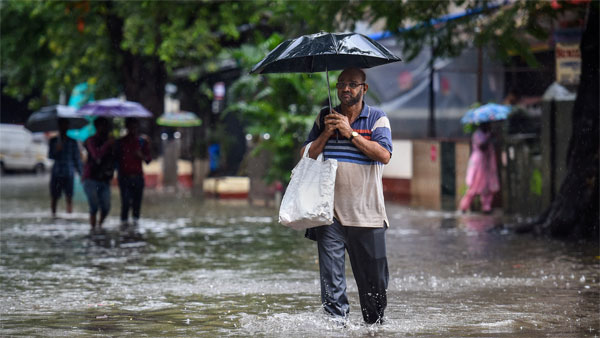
[(97, 152), (372, 149), (318, 144), (145, 149), (52, 149)]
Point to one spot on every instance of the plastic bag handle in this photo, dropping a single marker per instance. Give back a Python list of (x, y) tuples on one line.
[(319, 158)]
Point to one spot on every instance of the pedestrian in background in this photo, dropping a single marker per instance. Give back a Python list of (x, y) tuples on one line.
[(99, 170), (360, 222), (131, 150), (67, 160), (482, 175)]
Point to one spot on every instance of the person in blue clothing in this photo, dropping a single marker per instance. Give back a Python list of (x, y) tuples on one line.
[(67, 160), (359, 137)]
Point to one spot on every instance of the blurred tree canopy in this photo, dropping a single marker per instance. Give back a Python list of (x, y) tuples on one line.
[(132, 47), (127, 47)]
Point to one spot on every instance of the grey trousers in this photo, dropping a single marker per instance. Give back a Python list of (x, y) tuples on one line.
[(366, 249)]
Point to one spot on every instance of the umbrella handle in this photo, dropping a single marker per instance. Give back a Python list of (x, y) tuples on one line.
[(328, 88), (337, 132)]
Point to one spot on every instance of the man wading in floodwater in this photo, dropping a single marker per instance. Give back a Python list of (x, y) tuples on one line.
[(364, 146)]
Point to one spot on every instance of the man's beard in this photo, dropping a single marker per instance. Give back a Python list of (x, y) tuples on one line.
[(352, 100)]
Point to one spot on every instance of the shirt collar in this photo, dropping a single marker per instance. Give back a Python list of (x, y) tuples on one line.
[(365, 111)]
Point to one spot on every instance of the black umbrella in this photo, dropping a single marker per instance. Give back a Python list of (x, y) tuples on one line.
[(323, 52), (46, 119)]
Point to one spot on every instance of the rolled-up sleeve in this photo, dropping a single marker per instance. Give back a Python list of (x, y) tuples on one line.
[(382, 133)]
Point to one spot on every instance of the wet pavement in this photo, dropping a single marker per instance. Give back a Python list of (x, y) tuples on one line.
[(216, 268)]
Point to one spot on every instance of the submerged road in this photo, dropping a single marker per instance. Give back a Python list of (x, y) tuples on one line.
[(216, 268)]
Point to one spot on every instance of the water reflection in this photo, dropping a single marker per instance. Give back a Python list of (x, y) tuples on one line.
[(196, 268), (129, 237)]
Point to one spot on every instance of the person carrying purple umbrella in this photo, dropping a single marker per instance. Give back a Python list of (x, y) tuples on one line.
[(98, 171), (482, 176), (131, 150)]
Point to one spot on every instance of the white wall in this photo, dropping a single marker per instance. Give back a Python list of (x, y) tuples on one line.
[(400, 165)]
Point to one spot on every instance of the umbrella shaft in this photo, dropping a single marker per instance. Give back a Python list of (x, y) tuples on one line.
[(337, 133), (328, 87)]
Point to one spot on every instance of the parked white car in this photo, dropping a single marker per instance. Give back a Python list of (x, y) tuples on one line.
[(22, 150)]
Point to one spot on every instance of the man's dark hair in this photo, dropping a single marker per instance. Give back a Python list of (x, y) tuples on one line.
[(101, 121), (363, 75), (131, 121)]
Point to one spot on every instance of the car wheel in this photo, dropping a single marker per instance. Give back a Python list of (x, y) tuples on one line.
[(39, 169)]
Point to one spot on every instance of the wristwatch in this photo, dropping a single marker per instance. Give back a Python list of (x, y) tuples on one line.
[(353, 135)]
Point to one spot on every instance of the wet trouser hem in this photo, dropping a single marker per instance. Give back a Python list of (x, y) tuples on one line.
[(366, 249), (132, 190)]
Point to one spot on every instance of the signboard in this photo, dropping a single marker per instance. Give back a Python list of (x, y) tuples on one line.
[(568, 63)]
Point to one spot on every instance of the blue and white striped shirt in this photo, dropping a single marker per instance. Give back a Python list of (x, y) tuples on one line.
[(358, 187)]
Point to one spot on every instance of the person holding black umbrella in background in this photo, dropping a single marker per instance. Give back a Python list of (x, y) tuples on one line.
[(65, 153)]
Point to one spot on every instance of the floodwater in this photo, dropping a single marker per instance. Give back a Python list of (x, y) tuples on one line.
[(210, 268)]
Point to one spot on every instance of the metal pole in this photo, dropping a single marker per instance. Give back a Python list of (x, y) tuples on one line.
[(479, 73), (552, 150), (431, 121)]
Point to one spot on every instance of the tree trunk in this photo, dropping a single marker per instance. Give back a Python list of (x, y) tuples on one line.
[(574, 211), (144, 82), (143, 77)]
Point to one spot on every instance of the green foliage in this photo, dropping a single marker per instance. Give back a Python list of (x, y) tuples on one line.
[(48, 47), (52, 46), (22, 74), (185, 34), (284, 106), (508, 27)]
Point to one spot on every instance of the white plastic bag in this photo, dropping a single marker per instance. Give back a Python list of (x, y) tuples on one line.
[(308, 199)]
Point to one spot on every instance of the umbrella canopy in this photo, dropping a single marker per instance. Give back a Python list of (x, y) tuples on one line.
[(486, 113), (46, 119), (181, 119), (323, 52), (114, 108)]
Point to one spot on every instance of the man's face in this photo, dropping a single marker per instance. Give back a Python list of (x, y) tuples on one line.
[(103, 127), (347, 95), (132, 127)]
